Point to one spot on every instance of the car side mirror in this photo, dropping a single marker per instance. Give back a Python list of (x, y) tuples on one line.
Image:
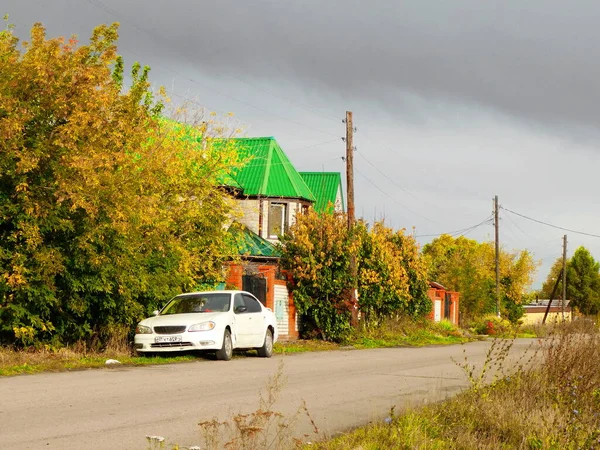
[(240, 309), (155, 312)]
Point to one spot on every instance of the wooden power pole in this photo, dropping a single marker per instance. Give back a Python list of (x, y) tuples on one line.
[(564, 276), (350, 167), (352, 294), (497, 228)]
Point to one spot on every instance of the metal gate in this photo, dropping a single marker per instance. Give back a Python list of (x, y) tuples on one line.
[(256, 286)]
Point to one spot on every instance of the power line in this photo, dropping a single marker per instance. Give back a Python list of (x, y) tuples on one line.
[(385, 176), (338, 158), (290, 100), (550, 225), (392, 198), (217, 91), (518, 227), (462, 231), (315, 145)]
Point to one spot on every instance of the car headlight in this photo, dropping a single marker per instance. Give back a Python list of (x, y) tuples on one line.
[(204, 326), (143, 329)]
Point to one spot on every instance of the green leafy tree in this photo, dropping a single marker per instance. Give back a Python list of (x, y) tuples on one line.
[(583, 282), (106, 208)]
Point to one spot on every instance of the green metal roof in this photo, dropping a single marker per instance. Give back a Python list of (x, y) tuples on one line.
[(251, 244), (324, 186), (269, 172)]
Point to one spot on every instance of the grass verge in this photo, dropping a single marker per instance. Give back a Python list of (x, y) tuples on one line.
[(401, 332), (392, 333), (14, 362)]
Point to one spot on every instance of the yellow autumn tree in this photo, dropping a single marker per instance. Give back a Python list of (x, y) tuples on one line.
[(106, 207), (391, 275), (468, 266)]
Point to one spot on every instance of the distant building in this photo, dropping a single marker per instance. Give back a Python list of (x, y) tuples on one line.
[(445, 303), (534, 312)]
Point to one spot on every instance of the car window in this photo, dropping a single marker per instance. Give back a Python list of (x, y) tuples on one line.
[(238, 300), (198, 303), (252, 305)]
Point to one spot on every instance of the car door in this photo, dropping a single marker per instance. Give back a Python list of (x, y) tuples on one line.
[(256, 321), (243, 322)]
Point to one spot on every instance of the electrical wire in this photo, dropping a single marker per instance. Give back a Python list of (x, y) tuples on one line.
[(385, 176), (290, 100), (394, 199), (549, 224), (518, 227), (462, 231), (338, 158), (217, 91), (315, 145)]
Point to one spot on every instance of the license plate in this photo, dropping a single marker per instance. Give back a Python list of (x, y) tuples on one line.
[(167, 339)]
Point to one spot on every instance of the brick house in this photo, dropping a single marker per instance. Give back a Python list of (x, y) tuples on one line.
[(259, 273), (270, 193), (445, 303)]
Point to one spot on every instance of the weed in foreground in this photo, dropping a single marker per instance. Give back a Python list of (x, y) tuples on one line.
[(264, 429)]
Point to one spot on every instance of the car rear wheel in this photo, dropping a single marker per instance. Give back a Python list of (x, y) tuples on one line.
[(226, 351), (266, 351)]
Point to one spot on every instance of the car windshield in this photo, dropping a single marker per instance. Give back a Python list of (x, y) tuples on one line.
[(198, 303)]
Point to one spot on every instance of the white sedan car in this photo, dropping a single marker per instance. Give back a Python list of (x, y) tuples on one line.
[(218, 320)]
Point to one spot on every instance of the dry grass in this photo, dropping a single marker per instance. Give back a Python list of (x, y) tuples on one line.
[(264, 429), (553, 404)]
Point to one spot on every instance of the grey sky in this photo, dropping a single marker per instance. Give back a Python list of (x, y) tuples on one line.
[(454, 101)]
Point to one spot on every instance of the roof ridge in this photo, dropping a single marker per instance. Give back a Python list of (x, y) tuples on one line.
[(267, 172), (288, 167)]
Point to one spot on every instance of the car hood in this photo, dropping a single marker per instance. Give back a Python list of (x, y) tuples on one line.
[(183, 319)]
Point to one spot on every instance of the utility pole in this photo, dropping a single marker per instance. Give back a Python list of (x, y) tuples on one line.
[(497, 228), (552, 297), (564, 276), (352, 292), (350, 167)]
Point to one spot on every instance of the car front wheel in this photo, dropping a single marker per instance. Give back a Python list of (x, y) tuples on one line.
[(266, 351), (226, 351)]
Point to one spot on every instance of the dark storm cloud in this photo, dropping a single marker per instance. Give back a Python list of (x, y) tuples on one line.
[(535, 59)]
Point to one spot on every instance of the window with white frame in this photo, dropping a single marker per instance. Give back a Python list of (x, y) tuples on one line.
[(277, 219)]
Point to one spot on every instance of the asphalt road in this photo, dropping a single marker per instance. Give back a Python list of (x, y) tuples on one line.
[(116, 408)]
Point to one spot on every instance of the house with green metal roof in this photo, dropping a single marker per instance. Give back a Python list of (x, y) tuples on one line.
[(269, 189), (327, 189)]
